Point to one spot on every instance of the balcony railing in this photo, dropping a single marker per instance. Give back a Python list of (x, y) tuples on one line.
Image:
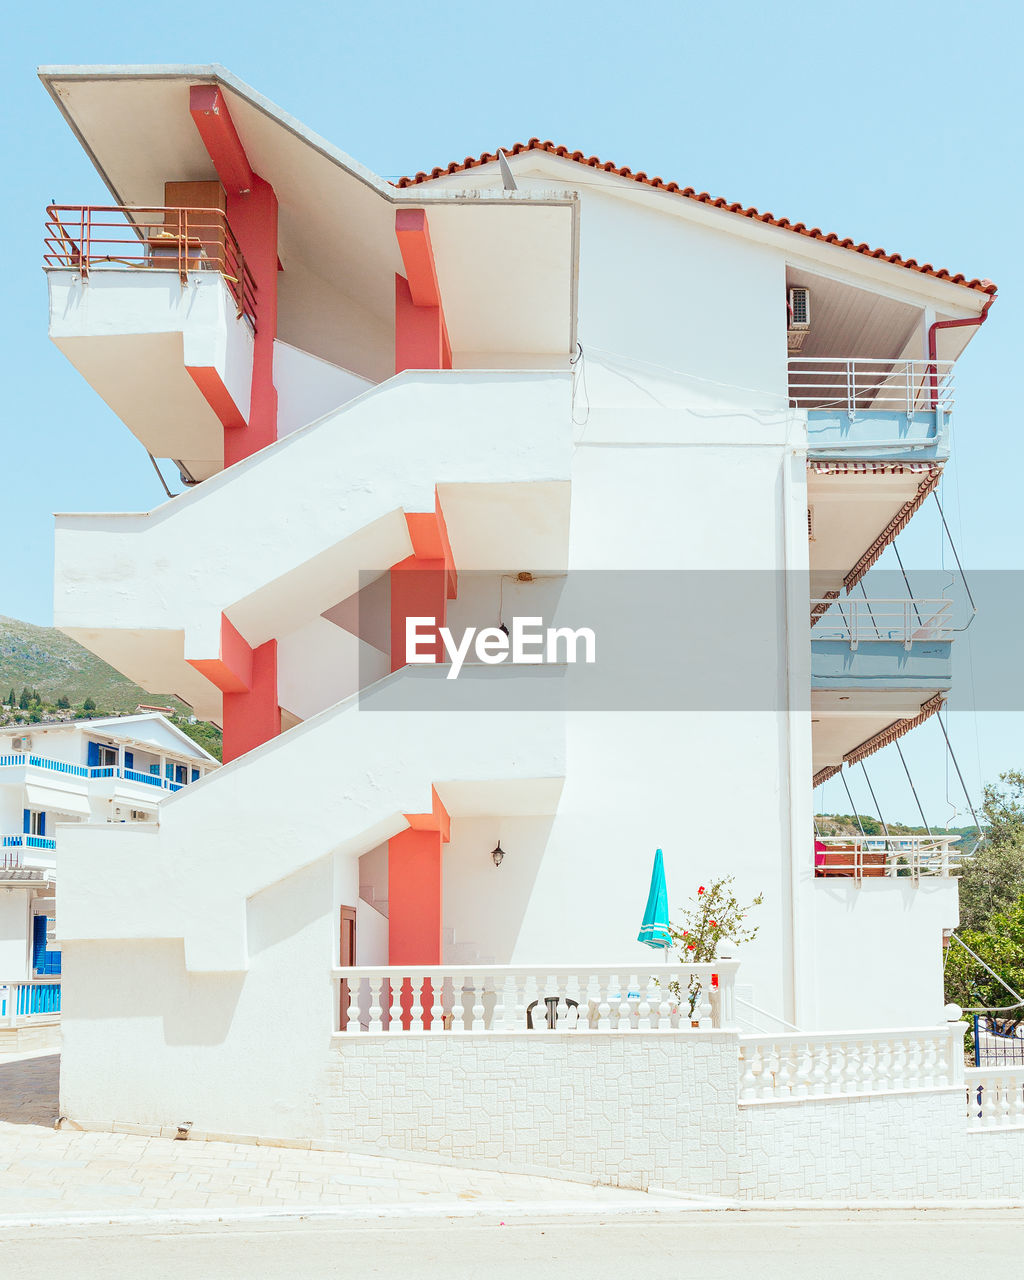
[(905, 621), (502, 998), (19, 842), (90, 237), (865, 857), (780, 1068), (855, 386), (89, 772), (995, 1097), (25, 999)]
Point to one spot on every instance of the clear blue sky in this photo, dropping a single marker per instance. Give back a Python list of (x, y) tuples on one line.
[(898, 124)]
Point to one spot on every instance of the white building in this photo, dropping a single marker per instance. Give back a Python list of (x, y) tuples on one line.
[(105, 770), (537, 388)]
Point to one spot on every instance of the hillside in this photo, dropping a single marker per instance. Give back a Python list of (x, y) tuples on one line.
[(44, 659), (848, 824)]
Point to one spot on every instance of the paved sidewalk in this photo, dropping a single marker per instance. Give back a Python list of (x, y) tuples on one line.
[(47, 1174)]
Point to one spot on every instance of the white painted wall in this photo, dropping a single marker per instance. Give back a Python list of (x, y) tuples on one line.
[(876, 955), (309, 387), (15, 927)]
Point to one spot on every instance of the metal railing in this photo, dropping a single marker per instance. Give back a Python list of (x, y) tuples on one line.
[(853, 386), (866, 857), (854, 620), (90, 771), (27, 998), (91, 237), (780, 1068), (505, 998)]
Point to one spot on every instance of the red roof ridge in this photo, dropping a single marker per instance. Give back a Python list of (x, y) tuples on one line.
[(702, 197)]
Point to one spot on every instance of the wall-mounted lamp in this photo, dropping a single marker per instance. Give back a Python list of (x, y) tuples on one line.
[(497, 853)]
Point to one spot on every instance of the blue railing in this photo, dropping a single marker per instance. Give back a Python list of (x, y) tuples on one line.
[(95, 771), (36, 997), (29, 842)]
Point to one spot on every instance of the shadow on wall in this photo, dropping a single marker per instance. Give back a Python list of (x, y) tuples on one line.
[(149, 980)]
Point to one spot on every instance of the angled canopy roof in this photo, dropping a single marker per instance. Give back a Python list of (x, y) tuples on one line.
[(505, 260)]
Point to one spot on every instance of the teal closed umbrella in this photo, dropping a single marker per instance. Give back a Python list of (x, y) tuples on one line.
[(655, 930)]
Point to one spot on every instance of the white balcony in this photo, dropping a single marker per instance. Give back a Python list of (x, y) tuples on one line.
[(898, 856), (157, 311)]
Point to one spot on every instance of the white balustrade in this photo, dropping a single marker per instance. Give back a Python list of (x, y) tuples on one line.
[(581, 998), (793, 1065), (995, 1097)]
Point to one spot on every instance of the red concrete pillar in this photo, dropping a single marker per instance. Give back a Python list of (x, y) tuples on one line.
[(414, 898), (253, 717), (421, 335), (419, 589)]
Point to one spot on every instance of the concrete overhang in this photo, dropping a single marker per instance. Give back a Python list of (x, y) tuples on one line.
[(506, 260), (843, 720)]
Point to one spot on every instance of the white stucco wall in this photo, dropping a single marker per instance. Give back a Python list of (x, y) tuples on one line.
[(308, 387), (15, 931), (877, 955)]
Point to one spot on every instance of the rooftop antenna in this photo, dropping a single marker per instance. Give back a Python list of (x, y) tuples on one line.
[(507, 180)]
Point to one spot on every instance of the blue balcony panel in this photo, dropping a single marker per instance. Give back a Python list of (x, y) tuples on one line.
[(881, 664), (891, 435)]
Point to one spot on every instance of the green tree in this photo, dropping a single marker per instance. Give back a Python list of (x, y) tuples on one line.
[(89, 705), (993, 878), (1001, 946), (64, 702), (25, 699), (12, 699)]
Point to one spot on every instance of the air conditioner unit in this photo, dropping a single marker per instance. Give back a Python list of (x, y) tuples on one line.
[(24, 743), (799, 317)]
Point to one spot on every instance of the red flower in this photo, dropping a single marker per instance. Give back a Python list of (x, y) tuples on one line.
[(691, 947), (700, 891), (712, 924), (686, 933)]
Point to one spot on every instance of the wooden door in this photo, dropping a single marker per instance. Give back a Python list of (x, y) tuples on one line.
[(206, 231), (346, 958)]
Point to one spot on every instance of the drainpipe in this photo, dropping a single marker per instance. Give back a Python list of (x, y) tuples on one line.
[(933, 342)]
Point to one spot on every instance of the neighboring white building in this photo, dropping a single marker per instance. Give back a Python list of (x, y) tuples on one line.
[(110, 769), (561, 392)]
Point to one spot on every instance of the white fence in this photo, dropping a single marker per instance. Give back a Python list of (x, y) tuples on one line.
[(587, 998), (907, 386), (854, 620), (995, 1097), (778, 1068)]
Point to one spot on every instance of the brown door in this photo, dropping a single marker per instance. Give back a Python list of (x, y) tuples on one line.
[(346, 958)]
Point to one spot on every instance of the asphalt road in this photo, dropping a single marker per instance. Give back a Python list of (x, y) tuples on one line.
[(932, 1245)]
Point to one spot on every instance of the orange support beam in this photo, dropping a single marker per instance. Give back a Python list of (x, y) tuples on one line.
[(251, 208), (421, 335), (253, 717), (415, 884), (247, 678), (423, 583)]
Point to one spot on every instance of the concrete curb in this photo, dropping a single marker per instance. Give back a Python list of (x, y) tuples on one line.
[(665, 1205)]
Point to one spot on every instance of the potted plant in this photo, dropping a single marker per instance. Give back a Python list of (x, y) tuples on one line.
[(714, 916)]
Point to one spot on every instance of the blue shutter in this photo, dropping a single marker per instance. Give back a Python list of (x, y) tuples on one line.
[(93, 758), (26, 821), (180, 774), (42, 824), (169, 769), (129, 759), (38, 943), (195, 775), (44, 962)]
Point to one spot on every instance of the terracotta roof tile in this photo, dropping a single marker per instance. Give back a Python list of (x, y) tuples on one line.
[(702, 197)]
